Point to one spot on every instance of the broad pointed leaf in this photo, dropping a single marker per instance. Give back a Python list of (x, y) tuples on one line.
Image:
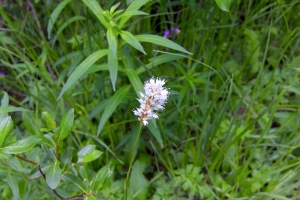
[(66, 124), (53, 175)]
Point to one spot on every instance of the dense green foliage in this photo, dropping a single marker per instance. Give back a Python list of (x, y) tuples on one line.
[(70, 78)]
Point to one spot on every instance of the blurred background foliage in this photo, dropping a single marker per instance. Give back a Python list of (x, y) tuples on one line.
[(230, 127)]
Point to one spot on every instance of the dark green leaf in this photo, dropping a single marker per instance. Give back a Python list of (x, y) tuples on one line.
[(74, 180), (66, 158), (4, 103), (6, 126), (53, 175), (102, 175), (66, 124), (138, 183)]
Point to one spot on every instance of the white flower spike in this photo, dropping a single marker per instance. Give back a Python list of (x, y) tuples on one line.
[(154, 99)]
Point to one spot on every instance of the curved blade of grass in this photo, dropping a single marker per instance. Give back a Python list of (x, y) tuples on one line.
[(13, 109), (83, 67), (156, 133), (161, 41), (114, 102), (165, 58), (54, 15), (135, 81), (65, 24)]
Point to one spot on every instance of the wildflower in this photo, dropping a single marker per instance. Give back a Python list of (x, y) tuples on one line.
[(168, 33), (154, 99), (2, 74)]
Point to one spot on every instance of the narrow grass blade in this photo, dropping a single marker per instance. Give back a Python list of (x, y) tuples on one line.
[(13, 186), (135, 81), (54, 16), (165, 58), (134, 6), (114, 102), (161, 41), (83, 67)]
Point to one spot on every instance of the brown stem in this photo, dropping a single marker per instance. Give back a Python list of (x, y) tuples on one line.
[(44, 176)]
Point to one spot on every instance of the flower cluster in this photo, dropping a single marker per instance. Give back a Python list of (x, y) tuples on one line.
[(173, 31), (154, 99)]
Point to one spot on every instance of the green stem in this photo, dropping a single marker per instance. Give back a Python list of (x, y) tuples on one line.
[(131, 161)]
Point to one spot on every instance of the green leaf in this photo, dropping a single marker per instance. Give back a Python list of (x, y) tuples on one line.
[(66, 124), (138, 183), (6, 126), (85, 150), (21, 146), (12, 109), (94, 6), (92, 156), (131, 13), (114, 102), (135, 5), (74, 180), (113, 68), (4, 103), (51, 124), (37, 172), (54, 15), (132, 40), (135, 81), (165, 58), (156, 133), (13, 186), (83, 67), (102, 175), (53, 175), (114, 7), (224, 4), (112, 42), (66, 158), (161, 41), (47, 141)]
